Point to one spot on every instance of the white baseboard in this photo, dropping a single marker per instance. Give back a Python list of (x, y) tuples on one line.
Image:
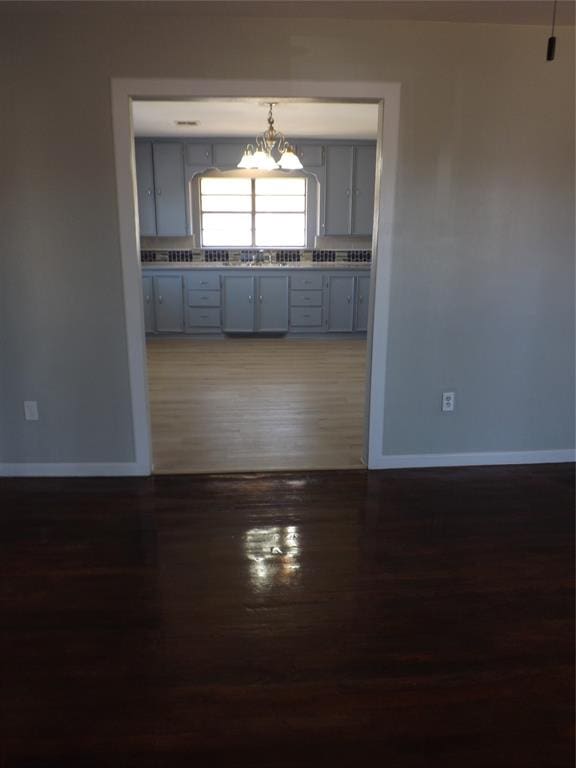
[(56, 469), (414, 461)]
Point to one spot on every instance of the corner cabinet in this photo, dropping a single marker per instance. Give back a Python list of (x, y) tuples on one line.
[(161, 187), (255, 304), (348, 199)]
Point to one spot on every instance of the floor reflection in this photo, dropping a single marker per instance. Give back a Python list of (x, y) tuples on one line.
[(274, 556)]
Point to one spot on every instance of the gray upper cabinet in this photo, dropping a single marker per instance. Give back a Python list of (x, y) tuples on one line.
[(311, 155), (148, 296), (145, 187), (170, 189), (338, 190), (361, 304), (272, 316), (349, 190), (161, 188), (228, 155), (340, 301), (199, 154), (169, 304), (238, 304), (364, 170)]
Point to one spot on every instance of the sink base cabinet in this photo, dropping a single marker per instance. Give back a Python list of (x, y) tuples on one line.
[(218, 302), (238, 304), (255, 304)]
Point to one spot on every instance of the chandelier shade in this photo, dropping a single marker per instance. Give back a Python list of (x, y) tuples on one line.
[(259, 156)]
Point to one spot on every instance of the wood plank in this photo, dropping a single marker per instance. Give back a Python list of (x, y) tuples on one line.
[(255, 404), (407, 619)]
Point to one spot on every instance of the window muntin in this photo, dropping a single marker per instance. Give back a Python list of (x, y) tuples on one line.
[(258, 212)]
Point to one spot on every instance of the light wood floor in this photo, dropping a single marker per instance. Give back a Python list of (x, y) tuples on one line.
[(234, 405)]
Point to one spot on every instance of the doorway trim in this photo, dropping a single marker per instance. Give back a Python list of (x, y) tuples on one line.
[(387, 95)]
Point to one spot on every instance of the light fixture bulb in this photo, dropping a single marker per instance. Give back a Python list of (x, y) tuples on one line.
[(259, 159), (247, 160), (290, 161), (269, 164)]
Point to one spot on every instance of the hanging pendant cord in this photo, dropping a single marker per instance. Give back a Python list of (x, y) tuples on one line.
[(553, 18), (551, 49)]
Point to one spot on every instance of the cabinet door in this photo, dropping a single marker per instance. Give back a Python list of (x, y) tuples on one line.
[(228, 155), (362, 298), (273, 304), (169, 304), (145, 187), (311, 155), (148, 297), (199, 154), (340, 303), (363, 190), (338, 190), (170, 189), (238, 315)]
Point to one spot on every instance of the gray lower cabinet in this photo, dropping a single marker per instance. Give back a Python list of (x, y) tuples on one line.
[(203, 299), (148, 297), (272, 312), (255, 304), (340, 303), (169, 304), (361, 303), (238, 304), (298, 302)]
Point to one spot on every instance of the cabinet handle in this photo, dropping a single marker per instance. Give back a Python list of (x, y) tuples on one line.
[(158, 191), (203, 282), (148, 299), (361, 299), (160, 299), (149, 192), (348, 299), (347, 193), (260, 297), (356, 191), (250, 299)]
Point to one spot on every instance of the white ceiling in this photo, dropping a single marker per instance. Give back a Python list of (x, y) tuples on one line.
[(247, 117)]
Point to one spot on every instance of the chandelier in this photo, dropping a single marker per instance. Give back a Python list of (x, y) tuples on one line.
[(259, 155)]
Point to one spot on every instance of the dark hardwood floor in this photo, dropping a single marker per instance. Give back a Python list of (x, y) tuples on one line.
[(406, 619)]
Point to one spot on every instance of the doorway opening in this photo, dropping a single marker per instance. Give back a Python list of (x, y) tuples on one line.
[(257, 353)]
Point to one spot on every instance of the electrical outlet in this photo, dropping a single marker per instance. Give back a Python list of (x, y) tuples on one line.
[(31, 410), (448, 401)]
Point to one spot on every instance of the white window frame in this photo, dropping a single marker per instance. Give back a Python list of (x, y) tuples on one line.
[(311, 206)]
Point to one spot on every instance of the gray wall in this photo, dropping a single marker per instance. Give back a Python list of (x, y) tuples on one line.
[(483, 272)]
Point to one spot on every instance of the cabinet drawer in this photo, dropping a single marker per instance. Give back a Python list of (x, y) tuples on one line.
[(305, 316), (307, 282), (204, 318), (306, 298), (203, 281), (203, 298)]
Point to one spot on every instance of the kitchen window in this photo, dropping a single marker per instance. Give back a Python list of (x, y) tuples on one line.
[(253, 212)]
